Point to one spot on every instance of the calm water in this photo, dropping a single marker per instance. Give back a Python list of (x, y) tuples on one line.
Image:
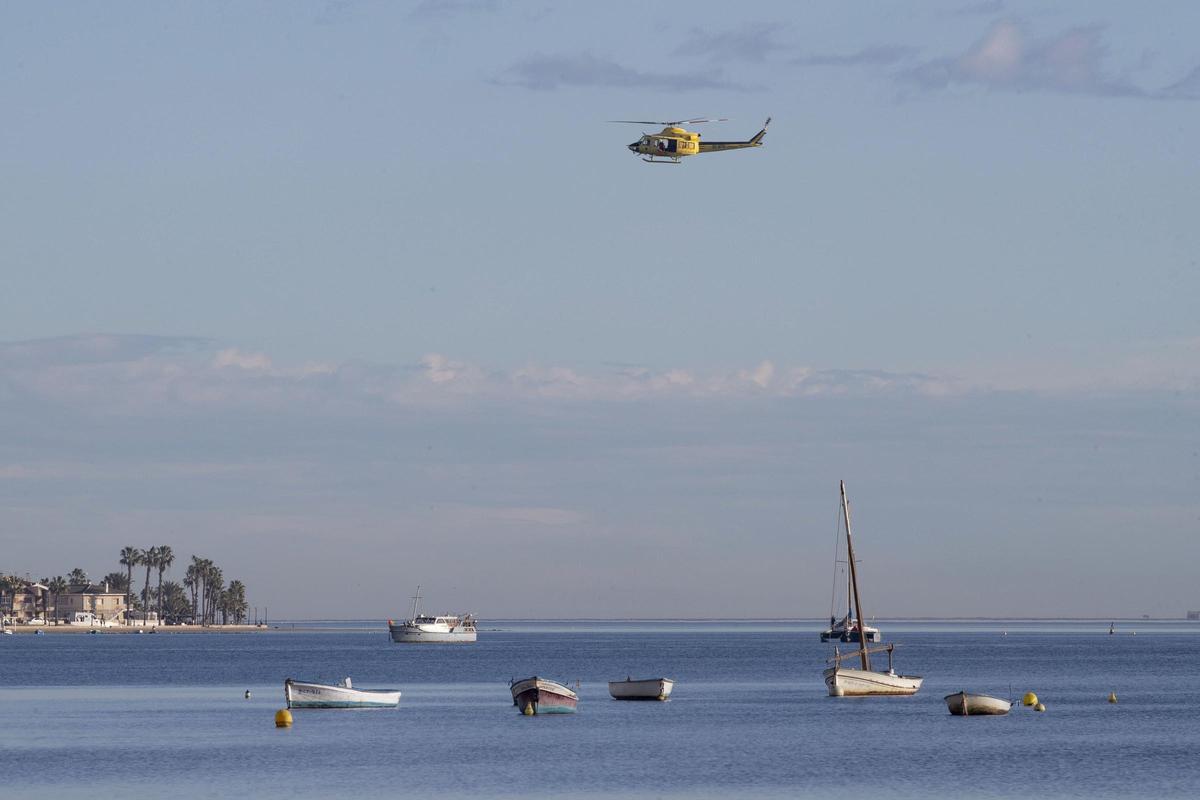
[(158, 716)]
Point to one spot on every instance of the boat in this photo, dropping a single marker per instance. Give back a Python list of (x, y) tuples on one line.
[(863, 681), (542, 696), (964, 704), (300, 694), (847, 629), (426, 629), (645, 689)]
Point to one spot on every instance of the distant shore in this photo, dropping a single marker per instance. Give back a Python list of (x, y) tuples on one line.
[(56, 629)]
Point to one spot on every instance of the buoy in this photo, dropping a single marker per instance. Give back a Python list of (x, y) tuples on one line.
[(283, 718), (528, 709), (1030, 699), (1039, 707), (247, 694), (1112, 697)]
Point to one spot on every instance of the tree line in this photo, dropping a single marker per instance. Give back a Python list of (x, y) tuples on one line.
[(201, 599)]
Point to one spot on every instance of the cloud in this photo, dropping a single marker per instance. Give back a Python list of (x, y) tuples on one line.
[(881, 55), (550, 72), (1187, 88), (1008, 58), (752, 43), (96, 348), (449, 9), (232, 357), (986, 7)]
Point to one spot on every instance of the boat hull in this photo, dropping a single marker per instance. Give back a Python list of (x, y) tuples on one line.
[(649, 689), (852, 636), (844, 682), (542, 696), (299, 694), (964, 704), (415, 634)]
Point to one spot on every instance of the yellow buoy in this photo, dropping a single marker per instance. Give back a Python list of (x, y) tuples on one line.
[(283, 718), (1030, 699), (528, 709), (1112, 697), (1039, 707)]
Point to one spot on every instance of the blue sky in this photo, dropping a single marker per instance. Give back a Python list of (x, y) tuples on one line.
[(316, 289)]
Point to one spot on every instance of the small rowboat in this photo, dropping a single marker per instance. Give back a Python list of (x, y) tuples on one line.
[(963, 704), (647, 689), (541, 696), (321, 695)]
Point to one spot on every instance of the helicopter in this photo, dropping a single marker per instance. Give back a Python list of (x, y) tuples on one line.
[(674, 142)]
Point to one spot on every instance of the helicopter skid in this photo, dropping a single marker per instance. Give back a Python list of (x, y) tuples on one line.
[(661, 160)]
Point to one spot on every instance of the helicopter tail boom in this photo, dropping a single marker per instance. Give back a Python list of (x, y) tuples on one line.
[(753, 141)]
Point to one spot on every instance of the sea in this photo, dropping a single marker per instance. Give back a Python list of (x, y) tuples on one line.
[(148, 716)]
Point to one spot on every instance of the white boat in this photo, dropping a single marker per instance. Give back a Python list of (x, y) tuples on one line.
[(342, 695), (863, 681), (426, 629), (847, 629), (646, 689), (964, 704)]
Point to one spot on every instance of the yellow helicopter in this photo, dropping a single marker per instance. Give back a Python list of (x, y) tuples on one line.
[(674, 142)]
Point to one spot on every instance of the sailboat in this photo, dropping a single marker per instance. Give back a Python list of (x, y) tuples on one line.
[(863, 681)]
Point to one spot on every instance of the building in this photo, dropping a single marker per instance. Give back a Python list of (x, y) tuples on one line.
[(93, 605), (28, 603)]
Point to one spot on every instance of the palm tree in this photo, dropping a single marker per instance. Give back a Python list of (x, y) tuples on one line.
[(166, 557), (130, 558), (58, 585), (191, 580), (235, 601), (77, 577), (149, 559), (176, 607), (213, 591)]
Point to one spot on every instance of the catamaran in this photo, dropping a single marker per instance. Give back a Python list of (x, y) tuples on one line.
[(850, 682)]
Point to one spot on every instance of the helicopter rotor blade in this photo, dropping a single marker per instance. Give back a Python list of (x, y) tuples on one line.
[(671, 122)]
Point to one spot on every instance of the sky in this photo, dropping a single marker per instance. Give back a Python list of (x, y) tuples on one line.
[(350, 297)]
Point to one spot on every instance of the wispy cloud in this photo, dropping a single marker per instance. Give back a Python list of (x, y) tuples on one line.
[(752, 43), (879, 55), (450, 9), (984, 8), (1008, 58), (547, 72), (1187, 88)]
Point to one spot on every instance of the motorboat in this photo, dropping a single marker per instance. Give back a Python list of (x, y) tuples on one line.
[(542, 696), (965, 704), (644, 689), (862, 681), (301, 694), (428, 629)]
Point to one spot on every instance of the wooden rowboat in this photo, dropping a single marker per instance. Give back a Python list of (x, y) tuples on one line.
[(541, 696), (964, 704)]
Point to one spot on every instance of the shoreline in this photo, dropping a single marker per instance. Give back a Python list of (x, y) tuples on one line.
[(135, 629)]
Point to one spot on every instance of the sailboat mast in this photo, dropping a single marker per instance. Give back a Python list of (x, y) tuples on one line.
[(862, 639), (416, 597)]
